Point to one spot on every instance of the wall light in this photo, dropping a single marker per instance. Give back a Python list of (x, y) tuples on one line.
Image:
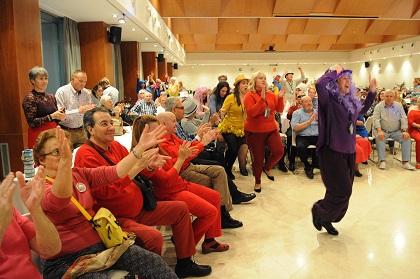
[(122, 20)]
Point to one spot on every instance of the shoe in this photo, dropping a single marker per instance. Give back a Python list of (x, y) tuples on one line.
[(282, 167), (418, 166), (268, 176), (316, 220), (243, 171), (230, 175), (329, 227), (309, 173), (228, 222), (365, 162), (213, 246), (357, 173), (192, 269), (243, 198), (258, 190), (382, 165), (408, 166), (292, 167)]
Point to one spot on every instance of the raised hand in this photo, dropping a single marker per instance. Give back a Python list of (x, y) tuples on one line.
[(32, 192), (372, 83), (153, 138), (6, 202)]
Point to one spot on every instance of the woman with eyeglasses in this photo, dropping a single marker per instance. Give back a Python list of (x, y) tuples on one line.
[(80, 242)]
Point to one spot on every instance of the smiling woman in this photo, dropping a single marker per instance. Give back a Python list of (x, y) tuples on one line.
[(40, 108)]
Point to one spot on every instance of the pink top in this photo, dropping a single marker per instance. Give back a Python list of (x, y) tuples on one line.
[(76, 233), (15, 252)]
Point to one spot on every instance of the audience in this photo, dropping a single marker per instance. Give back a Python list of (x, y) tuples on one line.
[(290, 84), (414, 130), (97, 92), (109, 90), (144, 106), (202, 96)]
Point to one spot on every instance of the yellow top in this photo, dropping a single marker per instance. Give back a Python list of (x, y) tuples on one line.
[(234, 120), (173, 90)]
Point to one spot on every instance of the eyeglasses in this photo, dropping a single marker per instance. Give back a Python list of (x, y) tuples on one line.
[(300, 96), (54, 153), (180, 107)]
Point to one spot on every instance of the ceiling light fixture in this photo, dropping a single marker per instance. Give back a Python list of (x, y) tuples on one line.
[(122, 20)]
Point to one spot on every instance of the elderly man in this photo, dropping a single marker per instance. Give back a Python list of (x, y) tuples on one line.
[(290, 83), (145, 106), (18, 235), (390, 121), (75, 98), (207, 175), (109, 90), (305, 125), (124, 198)]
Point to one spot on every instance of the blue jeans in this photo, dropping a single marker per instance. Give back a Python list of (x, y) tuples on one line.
[(397, 136)]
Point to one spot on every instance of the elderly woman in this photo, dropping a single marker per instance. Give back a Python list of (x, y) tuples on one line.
[(260, 126), (80, 242), (97, 92), (414, 130), (40, 108), (338, 108), (106, 102), (173, 87)]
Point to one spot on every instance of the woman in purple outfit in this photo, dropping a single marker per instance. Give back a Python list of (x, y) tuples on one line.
[(338, 108)]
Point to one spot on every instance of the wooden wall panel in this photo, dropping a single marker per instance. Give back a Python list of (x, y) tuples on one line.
[(149, 63), (96, 52), (130, 57), (170, 69), (20, 50)]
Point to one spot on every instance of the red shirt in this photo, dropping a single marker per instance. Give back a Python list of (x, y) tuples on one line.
[(15, 252), (171, 146), (255, 109), (123, 197)]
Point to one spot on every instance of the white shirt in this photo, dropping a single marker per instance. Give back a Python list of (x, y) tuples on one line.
[(70, 99)]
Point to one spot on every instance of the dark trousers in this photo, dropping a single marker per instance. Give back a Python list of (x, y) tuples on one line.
[(302, 143), (234, 143), (291, 150), (337, 171)]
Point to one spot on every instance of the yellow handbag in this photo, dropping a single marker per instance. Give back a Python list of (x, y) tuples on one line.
[(105, 223)]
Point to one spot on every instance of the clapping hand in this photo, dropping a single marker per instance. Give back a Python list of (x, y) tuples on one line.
[(33, 191), (6, 201), (153, 138), (186, 150)]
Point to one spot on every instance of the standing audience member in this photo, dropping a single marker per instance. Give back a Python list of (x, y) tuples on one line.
[(218, 97), (81, 255), (414, 130), (260, 126), (201, 95), (338, 108), (97, 92), (40, 108), (18, 235), (390, 121), (232, 126), (291, 150), (109, 90), (290, 84), (145, 106), (173, 87), (75, 98), (305, 125)]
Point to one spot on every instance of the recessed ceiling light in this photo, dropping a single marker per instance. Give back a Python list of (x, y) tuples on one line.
[(114, 15), (146, 39), (133, 29), (155, 45)]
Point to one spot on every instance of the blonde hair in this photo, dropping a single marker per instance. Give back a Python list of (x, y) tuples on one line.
[(252, 81)]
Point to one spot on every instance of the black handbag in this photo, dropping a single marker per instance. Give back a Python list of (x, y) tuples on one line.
[(146, 187)]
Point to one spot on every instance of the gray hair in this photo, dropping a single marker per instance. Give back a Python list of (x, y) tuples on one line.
[(37, 71), (88, 120), (103, 81), (104, 99), (171, 102)]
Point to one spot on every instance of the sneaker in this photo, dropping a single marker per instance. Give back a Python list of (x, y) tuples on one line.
[(382, 165), (408, 166)]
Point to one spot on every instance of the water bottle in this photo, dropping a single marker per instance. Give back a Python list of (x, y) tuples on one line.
[(28, 163)]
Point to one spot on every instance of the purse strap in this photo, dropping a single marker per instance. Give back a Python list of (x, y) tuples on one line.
[(88, 142), (76, 203)]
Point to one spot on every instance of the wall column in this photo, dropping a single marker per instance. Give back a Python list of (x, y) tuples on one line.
[(130, 58), (20, 51), (162, 70), (169, 68), (149, 64)]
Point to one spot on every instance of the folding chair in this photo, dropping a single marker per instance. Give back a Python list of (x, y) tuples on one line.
[(294, 144)]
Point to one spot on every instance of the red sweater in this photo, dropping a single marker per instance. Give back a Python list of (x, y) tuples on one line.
[(255, 109), (171, 146), (15, 252), (123, 197)]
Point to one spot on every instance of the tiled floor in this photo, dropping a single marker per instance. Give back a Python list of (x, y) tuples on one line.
[(379, 237)]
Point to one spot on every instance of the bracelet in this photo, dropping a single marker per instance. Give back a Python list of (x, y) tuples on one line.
[(135, 154)]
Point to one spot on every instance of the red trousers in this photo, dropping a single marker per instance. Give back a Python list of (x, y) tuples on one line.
[(256, 143), (204, 203), (173, 213)]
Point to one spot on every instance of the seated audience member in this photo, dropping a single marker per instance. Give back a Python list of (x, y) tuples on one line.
[(202, 96), (305, 124), (303, 86), (191, 123), (106, 103), (291, 150), (160, 102), (18, 235), (204, 203), (96, 94), (415, 94), (360, 127), (145, 106), (390, 121), (400, 99), (414, 130), (211, 176), (102, 150), (40, 108), (109, 90), (82, 248), (314, 97), (363, 150)]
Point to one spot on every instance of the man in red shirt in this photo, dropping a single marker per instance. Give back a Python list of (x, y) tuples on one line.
[(124, 198)]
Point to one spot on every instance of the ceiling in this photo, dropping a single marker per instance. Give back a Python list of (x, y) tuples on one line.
[(288, 25)]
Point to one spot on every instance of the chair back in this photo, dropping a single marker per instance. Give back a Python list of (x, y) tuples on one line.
[(369, 125)]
